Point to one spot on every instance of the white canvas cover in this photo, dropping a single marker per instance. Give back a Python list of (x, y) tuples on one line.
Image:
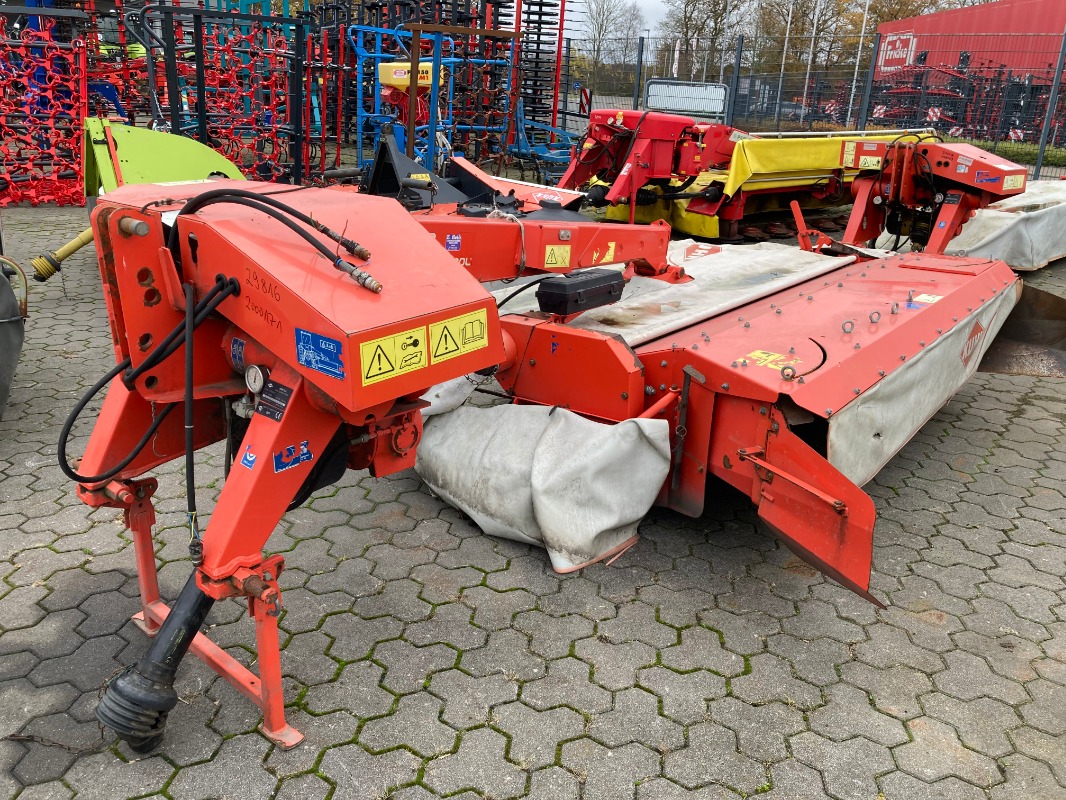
[(547, 476), (1024, 230)]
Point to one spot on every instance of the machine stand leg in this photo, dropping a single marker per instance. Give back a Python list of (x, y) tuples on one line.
[(272, 692), (140, 518)]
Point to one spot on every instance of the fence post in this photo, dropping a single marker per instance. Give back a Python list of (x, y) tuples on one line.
[(868, 86), (640, 69), (734, 83), (1053, 102)]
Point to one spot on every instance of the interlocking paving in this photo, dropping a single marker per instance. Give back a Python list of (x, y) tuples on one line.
[(423, 659)]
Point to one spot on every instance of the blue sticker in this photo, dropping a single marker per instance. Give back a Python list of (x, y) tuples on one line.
[(982, 176), (236, 353), (942, 225), (914, 306), (291, 456), (319, 353), (453, 241), (248, 459)]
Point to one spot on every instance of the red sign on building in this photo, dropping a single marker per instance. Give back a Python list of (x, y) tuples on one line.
[(897, 51)]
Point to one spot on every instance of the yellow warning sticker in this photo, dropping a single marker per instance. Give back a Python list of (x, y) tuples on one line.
[(607, 257), (764, 358), (391, 356), (557, 256), (1013, 181), (458, 336), (869, 162), (849, 154)]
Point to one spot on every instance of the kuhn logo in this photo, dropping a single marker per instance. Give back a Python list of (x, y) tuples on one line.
[(973, 343)]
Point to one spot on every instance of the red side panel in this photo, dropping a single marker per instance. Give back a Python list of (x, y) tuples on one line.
[(819, 514)]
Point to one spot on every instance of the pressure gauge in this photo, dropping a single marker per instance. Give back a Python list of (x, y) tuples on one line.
[(255, 378)]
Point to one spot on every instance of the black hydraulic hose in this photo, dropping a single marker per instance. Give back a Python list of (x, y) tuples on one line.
[(190, 461), (521, 289), (201, 200), (159, 353), (364, 279), (167, 347), (64, 434)]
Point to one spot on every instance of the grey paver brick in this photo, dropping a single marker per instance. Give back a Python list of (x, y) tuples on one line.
[(701, 648), (901, 786), (635, 718), (968, 677), (770, 678), (607, 772), (356, 689), (414, 723), (450, 624), (239, 764), (895, 691), (467, 700), (712, 756), (1026, 778), (761, 730), (358, 775), (553, 783), (567, 682), (848, 713), (506, 653), (936, 752), (478, 764), (535, 735), (407, 667), (614, 666), (683, 696), (848, 768)]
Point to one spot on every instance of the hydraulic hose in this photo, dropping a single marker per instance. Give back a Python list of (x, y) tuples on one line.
[(223, 289), (361, 277)]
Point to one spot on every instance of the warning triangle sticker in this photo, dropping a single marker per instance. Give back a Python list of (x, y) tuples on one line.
[(378, 365), (550, 260), (446, 345)]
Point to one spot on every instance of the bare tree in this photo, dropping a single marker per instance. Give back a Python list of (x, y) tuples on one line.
[(604, 21)]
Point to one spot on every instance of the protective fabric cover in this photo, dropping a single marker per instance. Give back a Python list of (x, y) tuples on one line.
[(873, 427), (547, 476), (12, 331), (781, 163), (733, 276), (1024, 230)]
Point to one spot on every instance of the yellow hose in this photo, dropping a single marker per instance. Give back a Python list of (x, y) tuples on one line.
[(44, 267)]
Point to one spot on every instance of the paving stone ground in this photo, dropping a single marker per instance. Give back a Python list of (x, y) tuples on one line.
[(423, 659)]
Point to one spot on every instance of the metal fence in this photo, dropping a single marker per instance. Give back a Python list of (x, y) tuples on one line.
[(1000, 92)]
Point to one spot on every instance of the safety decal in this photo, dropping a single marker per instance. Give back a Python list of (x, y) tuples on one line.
[(248, 459), (393, 355), (292, 456), (453, 242), (459, 335), (607, 257), (849, 154), (320, 353), (236, 353), (764, 358), (928, 298), (1013, 181), (869, 162), (557, 256), (273, 401)]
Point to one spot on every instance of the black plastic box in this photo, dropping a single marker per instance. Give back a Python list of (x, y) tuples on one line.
[(580, 291)]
